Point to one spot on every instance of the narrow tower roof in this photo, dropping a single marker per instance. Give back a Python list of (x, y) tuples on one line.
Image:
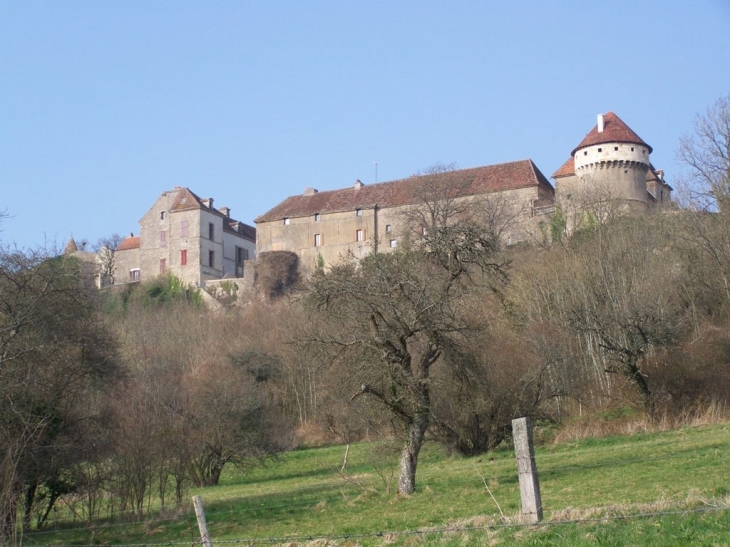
[(614, 130)]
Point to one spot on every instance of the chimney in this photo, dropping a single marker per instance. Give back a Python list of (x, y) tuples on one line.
[(600, 123), (226, 211), (308, 191), (358, 184)]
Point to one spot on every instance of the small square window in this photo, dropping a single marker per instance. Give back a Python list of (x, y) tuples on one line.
[(632, 148), (358, 212), (162, 215), (585, 153), (134, 275), (600, 149), (316, 217), (359, 235), (388, 228), (615, 148), (393, 243), (286, 221), (317, 240)]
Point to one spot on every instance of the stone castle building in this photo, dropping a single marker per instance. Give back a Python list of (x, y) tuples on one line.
[(186, 236), (324, 226), (609, 171)]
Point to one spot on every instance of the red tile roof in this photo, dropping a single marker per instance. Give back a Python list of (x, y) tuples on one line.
[(614, 130), (186, 200), (474, 181), (567, 169), (128, 243)]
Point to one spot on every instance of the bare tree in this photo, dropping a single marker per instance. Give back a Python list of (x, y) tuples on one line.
[(105, 250), (55, 353), (390, 317), (707, 154)]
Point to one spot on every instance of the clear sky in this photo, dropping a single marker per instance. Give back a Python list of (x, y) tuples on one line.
[(104, 105)]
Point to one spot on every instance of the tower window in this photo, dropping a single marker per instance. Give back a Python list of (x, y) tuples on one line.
[(616, 148), (162, 215), (632, 148), (316, 217), (585, 153), (600, 149)]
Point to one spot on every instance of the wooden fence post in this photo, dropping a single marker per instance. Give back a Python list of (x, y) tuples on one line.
[(527, 470), (202, 524)]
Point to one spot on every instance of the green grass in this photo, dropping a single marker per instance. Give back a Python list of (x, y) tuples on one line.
[(604, 482)]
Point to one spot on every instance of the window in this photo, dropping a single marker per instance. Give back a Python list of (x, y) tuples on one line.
[(424, 230), (184, 257), (184, 228), (134, 274), (211, 259), (615, 148), (585, 153), (600, 149), (286, 221), (393, 243), (316, 217), (163, 265), (211, 231), (358, 235), (241, 255), (358, 212), (388, 228), (163, 238), (632, 148), (317, 240), (162, 215)]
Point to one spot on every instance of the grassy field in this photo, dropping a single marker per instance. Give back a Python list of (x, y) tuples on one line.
[(669, 488)]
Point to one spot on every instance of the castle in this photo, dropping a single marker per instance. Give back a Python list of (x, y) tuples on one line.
[(185, 236), (608, 172)]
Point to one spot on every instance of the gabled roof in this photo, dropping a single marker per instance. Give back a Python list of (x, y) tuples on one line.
[(614, 130), (131, 242), (186, 200), (566, 170), (470, 182)]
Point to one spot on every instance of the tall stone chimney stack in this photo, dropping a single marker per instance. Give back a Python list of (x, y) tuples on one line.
[(600, 123)]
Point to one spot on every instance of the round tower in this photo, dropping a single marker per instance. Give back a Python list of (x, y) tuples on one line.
[(613, 161)]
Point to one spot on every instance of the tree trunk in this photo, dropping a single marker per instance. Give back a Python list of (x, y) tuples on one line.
[(409, 456)]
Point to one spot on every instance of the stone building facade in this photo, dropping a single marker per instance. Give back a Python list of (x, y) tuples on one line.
[(608, 172), (322, 227), (186, 236)]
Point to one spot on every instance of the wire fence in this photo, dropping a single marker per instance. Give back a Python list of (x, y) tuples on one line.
[(252, 541), (309, 497)]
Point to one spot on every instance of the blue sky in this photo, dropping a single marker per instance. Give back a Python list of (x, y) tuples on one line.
[(104, 105)]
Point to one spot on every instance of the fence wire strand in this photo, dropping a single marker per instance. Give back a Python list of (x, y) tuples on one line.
[(251, 541)]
